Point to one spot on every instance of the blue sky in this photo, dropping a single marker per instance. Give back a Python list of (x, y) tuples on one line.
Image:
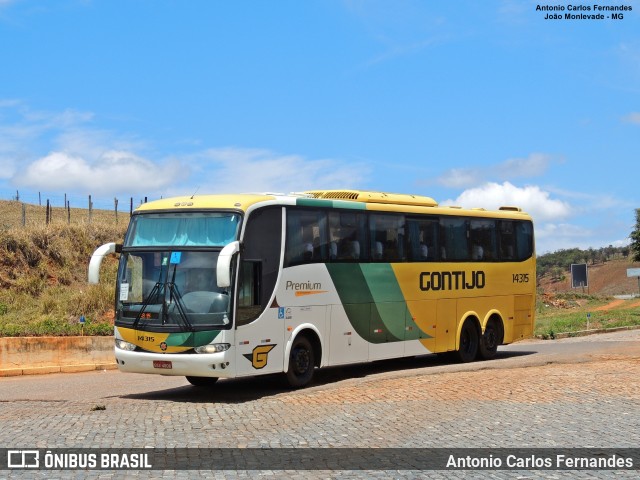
[(478, 104)]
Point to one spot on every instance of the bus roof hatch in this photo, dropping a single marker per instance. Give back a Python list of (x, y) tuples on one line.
[(374, 197)]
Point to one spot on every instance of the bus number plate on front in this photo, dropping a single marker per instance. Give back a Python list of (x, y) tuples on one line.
[(162, 364)]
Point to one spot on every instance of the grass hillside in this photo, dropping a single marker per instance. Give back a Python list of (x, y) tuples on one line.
[(43, 271)]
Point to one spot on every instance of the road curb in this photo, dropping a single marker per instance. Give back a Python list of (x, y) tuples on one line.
[(42, 355), (584, 333)]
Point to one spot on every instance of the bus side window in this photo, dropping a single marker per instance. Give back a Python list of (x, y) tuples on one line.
[(422, 239), (306, 237), (524, 240), (260, 262), (249, 301), (387, 233), (453, 239), (482, 239), (347, 237), (507, 241)]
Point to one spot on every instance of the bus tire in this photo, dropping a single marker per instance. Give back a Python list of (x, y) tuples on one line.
[(469, 342), (490, 340), (202, 381), (301, 362)]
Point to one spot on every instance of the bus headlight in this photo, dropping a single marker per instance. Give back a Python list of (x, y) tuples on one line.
[(122, 345), (213, 348)]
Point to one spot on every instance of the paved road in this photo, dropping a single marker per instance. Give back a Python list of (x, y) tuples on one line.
[(579, 392)]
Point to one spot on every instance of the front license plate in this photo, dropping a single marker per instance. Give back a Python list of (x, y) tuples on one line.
[(162, 364)]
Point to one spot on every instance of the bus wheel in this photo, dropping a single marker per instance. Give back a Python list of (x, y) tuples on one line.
[(490, 341), (301, 363), (468, 342), (202, 381)]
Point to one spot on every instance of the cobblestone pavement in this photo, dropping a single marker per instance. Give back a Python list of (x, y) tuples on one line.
[(589, 398)]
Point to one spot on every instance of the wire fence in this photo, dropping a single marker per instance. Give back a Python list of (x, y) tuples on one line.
[(38, 209), (75, 201)]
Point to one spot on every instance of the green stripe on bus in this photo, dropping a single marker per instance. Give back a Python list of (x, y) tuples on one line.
[(387, 298), (354, 294), (191, 339), (372, 300), (320, 202)]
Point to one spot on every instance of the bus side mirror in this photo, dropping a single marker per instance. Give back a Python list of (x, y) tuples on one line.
[(223, 269), (96, 260)]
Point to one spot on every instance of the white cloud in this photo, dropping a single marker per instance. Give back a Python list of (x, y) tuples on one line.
[(633, 117), (459, 177), (87, 160), (6, 3), (9, 102), (532, 199), (81, 159), (22, 132), (256, 170), (550, 215), (7, 167), (532, 166), (66, 119), (551, 237), (114, 172)]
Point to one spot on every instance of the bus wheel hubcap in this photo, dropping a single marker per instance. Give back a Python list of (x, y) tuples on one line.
[(301, 360)]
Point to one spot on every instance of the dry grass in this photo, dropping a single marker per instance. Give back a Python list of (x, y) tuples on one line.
[(43, 271), (11, 215)]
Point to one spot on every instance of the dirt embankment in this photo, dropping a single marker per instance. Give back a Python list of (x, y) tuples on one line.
[(609, 278)]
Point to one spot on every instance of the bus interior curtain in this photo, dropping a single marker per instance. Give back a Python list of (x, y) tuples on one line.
[(201, 231)]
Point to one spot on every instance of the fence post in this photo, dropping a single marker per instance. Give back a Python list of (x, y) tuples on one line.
[(115, 201), (131, 206), (69, 212), (48, 214), (90, 208), (24, 214)]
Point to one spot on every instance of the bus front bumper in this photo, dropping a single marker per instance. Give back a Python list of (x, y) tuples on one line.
[(195, 365)]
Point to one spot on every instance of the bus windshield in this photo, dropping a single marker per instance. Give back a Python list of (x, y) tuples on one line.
[(172, 289), (203, 229)]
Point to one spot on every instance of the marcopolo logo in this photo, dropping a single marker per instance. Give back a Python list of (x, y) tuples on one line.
[(457, 280)]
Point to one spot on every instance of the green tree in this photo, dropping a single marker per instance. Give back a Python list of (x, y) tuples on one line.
[(635, 238)]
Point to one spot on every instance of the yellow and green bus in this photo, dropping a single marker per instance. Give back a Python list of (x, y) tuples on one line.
[(222, 286)]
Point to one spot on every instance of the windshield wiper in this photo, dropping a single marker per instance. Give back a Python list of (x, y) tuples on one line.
[(155, 290), (171, 293), (147, 301)]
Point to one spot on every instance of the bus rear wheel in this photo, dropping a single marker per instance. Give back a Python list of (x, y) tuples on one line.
[(469, 340), (490, 340), (202, 381), (301, 363)]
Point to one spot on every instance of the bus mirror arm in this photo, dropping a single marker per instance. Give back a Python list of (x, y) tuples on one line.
[(96, 260), (223, 269)]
